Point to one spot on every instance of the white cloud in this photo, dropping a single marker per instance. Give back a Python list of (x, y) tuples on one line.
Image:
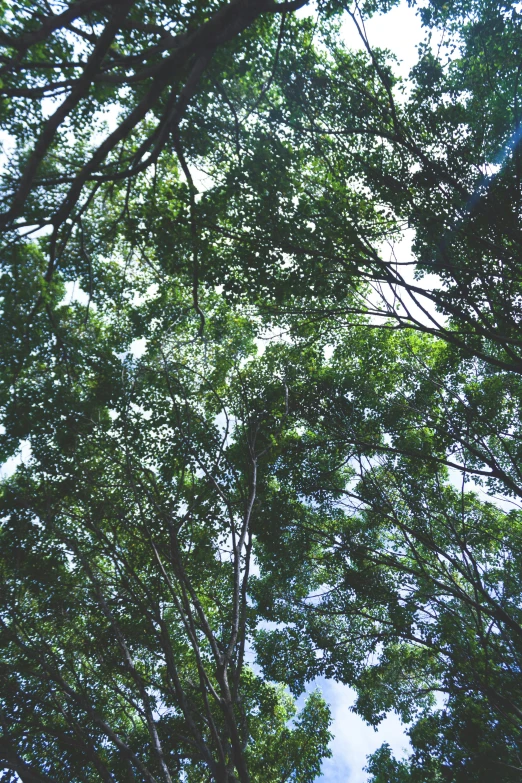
[(353, 739), (23, 455), (399, 31), (138, 347)]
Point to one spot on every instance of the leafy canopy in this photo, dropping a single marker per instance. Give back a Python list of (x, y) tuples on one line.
[(262, 446)]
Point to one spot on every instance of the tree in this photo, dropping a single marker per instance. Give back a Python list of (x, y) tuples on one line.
[(338, 460), (405, 585), (127, 544), (143, 60)]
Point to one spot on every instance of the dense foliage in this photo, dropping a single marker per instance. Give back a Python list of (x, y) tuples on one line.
[(263, 442)]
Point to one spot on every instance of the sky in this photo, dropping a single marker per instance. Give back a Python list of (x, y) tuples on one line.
[(353, 739), (399, 30)]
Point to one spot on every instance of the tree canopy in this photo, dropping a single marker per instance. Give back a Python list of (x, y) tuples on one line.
[(266, 443)]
